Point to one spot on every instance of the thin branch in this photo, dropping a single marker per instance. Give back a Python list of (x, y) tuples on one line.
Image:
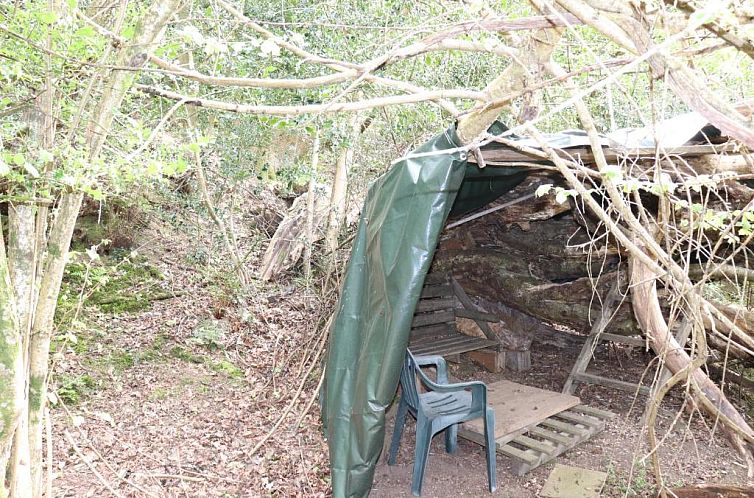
[(155, 131), (726, 33), (330, 79), (298, 110)]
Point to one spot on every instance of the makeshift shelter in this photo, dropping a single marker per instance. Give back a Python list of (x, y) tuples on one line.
[(403, 215)]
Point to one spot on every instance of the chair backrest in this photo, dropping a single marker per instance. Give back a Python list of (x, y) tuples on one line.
[(408, 381)]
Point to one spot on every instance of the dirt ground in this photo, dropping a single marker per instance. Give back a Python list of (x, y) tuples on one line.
[(690, 454), (164, 414)]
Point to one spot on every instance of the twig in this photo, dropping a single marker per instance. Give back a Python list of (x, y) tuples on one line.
[(311, 401), (174, 476), (297, 110), (99, 455), (488, 211), (290, 404), (94, 470)]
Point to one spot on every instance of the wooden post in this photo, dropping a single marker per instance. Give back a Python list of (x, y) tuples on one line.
[(518, 361)]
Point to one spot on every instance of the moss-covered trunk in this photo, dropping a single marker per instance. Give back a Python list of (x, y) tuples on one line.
[(12, 373), (55, 259)]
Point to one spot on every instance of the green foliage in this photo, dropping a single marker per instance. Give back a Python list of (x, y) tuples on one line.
[(122, 360), (27, 170), (638, 484), (73, 388), (159, 394), (226, 367), (723, 291)]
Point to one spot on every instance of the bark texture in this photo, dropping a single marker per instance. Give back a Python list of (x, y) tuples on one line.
[(530, 271)]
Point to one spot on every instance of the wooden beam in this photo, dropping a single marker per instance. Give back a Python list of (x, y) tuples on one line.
[(466, 302), (488, 211), (585, 356), (477, 315), (612, 383), (433, 318), (585, 154), (623, 339)]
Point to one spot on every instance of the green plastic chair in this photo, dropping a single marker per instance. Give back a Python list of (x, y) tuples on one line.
[(442, 407)]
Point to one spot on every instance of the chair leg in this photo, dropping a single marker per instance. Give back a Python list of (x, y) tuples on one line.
[(400, 420), (423, 440), (489, 434), (451, 438)]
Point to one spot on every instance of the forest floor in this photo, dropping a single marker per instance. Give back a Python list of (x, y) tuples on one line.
[(176, 397)]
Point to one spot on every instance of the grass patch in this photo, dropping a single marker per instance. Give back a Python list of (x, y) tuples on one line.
[(223, 367), (183, 354), (122, 360), (155, 350), (159, 394), (227, 368), (638, 485)]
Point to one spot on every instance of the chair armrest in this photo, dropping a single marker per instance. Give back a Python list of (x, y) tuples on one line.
[(438, 362), (478, 389)]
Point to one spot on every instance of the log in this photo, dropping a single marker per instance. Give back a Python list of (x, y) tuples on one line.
[(518, 361), (512, 279), (538, 250), (713, 491), (730, 377), (742, 318), (287, 244)]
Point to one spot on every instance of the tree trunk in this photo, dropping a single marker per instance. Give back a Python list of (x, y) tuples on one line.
[(290, 239), (310, 211), (41, 333), (22, 262), (498, 276), (649, 314), (114, 90), (530, 271), (536, 48), (12, 373), (337, 212)]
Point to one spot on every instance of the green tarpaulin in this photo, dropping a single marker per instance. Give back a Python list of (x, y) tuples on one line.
[(403, 214)]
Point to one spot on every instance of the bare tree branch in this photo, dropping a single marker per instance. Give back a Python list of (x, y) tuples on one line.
[(298, 110)]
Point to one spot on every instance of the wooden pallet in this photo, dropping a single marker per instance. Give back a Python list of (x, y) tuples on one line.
[(554, 436), (549, 438), (533, 426)]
